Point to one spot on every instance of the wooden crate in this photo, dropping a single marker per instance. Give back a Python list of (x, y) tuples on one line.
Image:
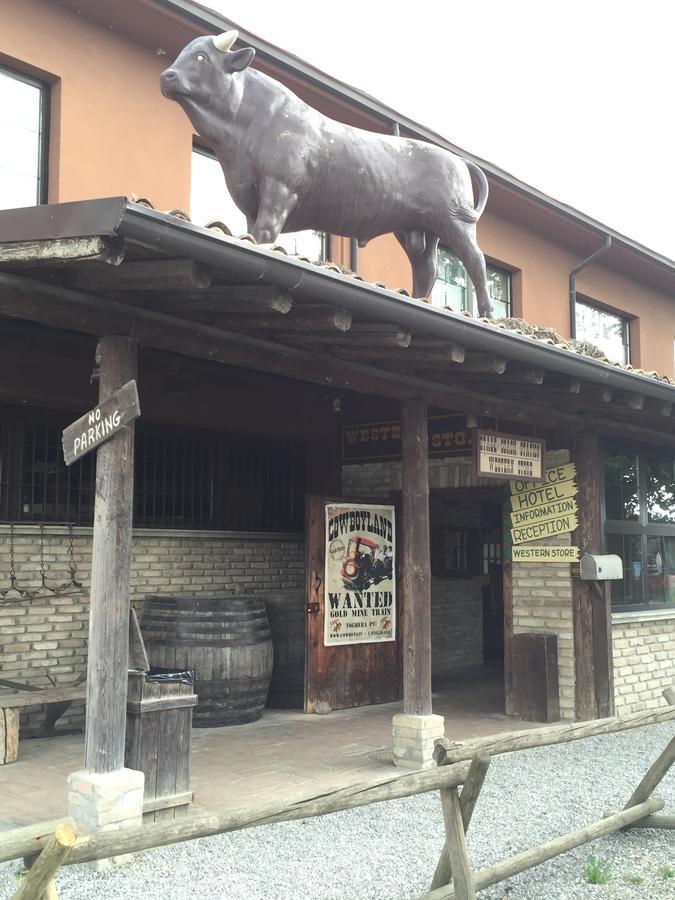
[(159, 723)]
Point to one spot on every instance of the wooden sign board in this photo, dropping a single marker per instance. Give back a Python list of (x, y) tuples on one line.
[(542, 513), (541, 496), (102, 423), (375, 441), (498, 455), (556, 475), (563, 554)]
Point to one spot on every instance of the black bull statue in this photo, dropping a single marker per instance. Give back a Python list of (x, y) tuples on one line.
[(288, 167)]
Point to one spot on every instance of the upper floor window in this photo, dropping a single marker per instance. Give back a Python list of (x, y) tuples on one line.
[(608, 331), (453, 287), (210, 199), (640, 526), (23, 120)]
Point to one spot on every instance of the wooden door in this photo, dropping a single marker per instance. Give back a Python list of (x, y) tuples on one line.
[(348, 675)]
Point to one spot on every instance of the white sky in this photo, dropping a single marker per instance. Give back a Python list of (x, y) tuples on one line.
[(575, 98)]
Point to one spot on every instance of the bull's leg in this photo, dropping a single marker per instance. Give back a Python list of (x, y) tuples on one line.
[(465, 246), (277, 202), (420, 248)]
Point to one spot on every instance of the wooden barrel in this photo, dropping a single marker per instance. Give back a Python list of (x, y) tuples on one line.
[(287, 616), (225, 641)]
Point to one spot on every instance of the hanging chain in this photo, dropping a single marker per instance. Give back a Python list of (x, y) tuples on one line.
[(42, 555), (12, 564)]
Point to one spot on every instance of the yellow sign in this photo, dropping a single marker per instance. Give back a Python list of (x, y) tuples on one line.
[(543, 513), (556, 475), (538, 530), (545, 554), (545, 493)]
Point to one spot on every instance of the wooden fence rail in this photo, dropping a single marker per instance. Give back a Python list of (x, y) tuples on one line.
[(47, 850)]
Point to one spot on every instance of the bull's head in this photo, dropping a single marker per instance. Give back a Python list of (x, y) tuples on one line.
[(204, 68)]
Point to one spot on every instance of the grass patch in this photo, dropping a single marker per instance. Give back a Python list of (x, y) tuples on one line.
[(597, 871), (667, 872)]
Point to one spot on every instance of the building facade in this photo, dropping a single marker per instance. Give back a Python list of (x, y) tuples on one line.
[(226, 452)]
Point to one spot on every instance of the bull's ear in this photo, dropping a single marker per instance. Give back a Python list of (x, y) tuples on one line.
[(240, 59)]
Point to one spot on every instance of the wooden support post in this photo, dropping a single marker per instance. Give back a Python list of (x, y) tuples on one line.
[(416, 560), (111, 563), (594, 689), (455, 844), (467, 802), (38, 878)]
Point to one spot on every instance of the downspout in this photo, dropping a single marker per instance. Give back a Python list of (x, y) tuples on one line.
[(573, 281)]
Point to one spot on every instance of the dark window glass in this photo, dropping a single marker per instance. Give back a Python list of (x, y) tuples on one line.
[(628, 592), (621, 487), (661, 490)]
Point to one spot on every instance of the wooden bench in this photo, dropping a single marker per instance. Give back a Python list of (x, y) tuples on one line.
[(56, 699)]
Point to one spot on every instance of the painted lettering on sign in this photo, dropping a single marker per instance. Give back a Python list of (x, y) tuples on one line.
[(448, 436), (559, 525), (102, 423), (502, 456), (545, 554), (543, 513), (555, 475), (547, 493)]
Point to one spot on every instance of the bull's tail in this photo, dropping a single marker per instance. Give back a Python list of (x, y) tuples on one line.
[(483, 187)]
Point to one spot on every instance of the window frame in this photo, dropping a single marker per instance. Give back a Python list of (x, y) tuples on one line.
[(498, 267), (642, 527), (43, 137), (624, 317)]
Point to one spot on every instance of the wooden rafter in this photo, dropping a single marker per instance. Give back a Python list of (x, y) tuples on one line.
[(146, 275), (64, 252)]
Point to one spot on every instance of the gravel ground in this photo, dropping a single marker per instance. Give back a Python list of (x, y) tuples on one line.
[(389, 850)]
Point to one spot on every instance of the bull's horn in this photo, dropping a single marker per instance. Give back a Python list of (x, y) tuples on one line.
[(224, 41)]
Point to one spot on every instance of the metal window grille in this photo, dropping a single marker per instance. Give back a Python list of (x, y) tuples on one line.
[(183, 479)]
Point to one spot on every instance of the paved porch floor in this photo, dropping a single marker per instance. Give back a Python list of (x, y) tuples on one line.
[(283, 756)]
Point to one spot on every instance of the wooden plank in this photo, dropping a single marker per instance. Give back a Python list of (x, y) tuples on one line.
[(467, 801), (183, 798), (138, 656), (416, 572), (102, 423), (63, 251), (484, 362), (3, 738), (554, 734), (167, 749), (12, 728), (236, 298), (535, 677), (455, 845), (145, 706), (145, 275), (43, 695), (108, 655), (301, 320), (14, 845), (538, 855), (36, 880)]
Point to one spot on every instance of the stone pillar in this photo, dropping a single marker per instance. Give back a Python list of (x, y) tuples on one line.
[(414, 738)]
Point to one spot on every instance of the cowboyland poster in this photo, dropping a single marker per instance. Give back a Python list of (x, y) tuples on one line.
[(360, 598)]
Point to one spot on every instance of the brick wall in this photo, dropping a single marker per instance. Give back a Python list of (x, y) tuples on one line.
[(49, 633), (644, 661), (542, 602), (456, 623)]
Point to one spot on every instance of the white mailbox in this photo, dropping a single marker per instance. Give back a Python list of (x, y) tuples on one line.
[(601, 568)]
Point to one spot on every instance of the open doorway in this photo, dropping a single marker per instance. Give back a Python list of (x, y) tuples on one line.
[(467, 621)]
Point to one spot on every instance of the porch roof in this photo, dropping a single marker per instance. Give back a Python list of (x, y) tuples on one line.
[(117, 266)]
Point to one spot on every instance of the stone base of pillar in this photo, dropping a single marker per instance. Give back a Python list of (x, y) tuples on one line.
[(106, 802), (413, 739)]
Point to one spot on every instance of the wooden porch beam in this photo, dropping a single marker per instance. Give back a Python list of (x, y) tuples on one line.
[(416, 568), (108, 654), (63, 252), (301, 320), (24, 298), (237, 298), (150, 275)]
